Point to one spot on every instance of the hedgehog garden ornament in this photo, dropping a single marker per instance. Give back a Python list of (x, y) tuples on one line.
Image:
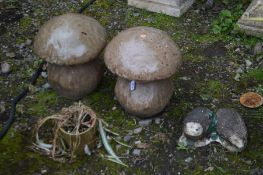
[(144, 59), (202, 126), (71, 43)]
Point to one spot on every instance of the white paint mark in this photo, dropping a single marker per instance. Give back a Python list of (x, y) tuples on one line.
[(137, 57), (143, 36), (66, 42)]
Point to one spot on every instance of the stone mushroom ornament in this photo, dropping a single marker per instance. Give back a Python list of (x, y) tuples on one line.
[(144, 59), (71, 43), (202, 127)]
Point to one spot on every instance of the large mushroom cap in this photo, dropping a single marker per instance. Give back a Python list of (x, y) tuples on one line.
[(70, 39), (143, 53)]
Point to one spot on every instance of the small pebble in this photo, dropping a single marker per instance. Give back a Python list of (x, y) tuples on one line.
[(215, 150), (137, 142), (136, 152), (87, 150), (10, 54), (258, 49), (249, 162), (239, 70), (197, 11), (209, 169), (136, 14), (127, 138), (144, 123), (149, 20), (209, 4), (109, 138), (237, 77), (2, 107), (237, 50), (231, 63), (248, 63), (43, 171), (188, 160), (28, 42), (142, 145), (122, 173), (5, 67), (21, 45), (137, 130), (44, 74), (185, 78), (157, 121)]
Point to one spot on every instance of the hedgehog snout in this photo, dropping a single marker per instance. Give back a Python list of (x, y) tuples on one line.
[(193, 129), (238, 142)]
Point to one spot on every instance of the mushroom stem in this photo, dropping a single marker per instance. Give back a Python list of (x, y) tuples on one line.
[(148, 99), (76, 81)]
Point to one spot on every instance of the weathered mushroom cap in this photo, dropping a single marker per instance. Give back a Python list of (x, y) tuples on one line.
[(70, 39), (232, 128), (142, 53)]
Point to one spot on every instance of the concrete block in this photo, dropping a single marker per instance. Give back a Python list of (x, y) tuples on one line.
[(170, 7), (250, 21)]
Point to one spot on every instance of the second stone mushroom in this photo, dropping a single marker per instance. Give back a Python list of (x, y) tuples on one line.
[(144, 58), (71, 43)]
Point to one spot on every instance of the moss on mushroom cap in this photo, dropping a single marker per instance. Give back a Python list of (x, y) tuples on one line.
[(70, 39), (143, 53)]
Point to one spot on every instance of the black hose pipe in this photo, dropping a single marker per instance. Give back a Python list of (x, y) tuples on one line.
[(14, 101), (86, 6)]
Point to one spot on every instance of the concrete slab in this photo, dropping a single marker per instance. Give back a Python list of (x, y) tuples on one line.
[(250, 22), (170, 7)]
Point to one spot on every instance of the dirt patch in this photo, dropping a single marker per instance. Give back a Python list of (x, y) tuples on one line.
[(216, 49)]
